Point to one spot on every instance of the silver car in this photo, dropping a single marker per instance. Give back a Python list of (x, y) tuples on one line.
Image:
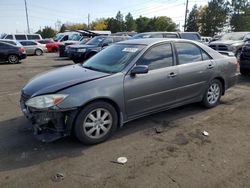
[(125, 81), (33, 48)]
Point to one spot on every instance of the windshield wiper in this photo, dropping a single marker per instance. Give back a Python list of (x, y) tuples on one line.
[(92, 68)]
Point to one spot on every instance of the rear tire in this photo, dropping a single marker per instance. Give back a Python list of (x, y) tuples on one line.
[(243, 72), (213, 94), (13, 59), (38, 52), (96, 123)]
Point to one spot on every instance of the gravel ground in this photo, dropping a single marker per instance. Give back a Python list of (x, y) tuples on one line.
[(177, 156)]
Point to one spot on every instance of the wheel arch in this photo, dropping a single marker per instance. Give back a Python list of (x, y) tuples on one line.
[(107, 100), (222, 81)]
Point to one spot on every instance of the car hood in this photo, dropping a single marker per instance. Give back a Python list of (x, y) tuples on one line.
[(56, 80), (82, 46), (227, 42)]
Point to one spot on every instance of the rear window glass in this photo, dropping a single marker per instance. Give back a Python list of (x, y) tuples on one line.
[(170, 36), (190, 36), (188, 53), (20, 37), (33, 37)]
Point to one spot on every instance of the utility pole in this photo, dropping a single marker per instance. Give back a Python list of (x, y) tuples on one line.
[(27, 17), (88, 20), (186, 12)]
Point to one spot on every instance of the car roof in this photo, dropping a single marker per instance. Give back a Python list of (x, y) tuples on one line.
[(8, 43), (150, 41)]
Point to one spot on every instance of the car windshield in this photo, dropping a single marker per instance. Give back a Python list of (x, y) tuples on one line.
[(95, 40), (114, 58), (58, 37), (233, 36), (141, 36)]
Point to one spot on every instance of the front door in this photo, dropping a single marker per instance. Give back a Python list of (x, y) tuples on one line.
[(155, 89)]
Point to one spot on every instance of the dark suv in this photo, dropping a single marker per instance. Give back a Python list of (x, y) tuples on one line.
[(79, 53), (231, 42), (11, 53), (245, 59), (183, 35)]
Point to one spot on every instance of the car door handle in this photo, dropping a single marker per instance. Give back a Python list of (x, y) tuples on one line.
[(172, 75), (210, 66)]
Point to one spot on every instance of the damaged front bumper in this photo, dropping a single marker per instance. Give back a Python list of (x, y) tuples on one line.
[(49, 125)]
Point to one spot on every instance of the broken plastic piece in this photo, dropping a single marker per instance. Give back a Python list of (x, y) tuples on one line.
[(122, 160), (58, 177), (205, 133)]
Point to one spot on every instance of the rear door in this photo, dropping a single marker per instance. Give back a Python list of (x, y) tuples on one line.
[(156, 89), (195, 68)]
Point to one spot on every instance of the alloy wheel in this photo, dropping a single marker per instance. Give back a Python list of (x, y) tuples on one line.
[(97, 123), (213, 93), (13, 59)]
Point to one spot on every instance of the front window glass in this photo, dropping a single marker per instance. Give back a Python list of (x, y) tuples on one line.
[(9, 37), (58, 38), (95, 41), (114, 58), (233, 36), (188, 53), (157, 57)]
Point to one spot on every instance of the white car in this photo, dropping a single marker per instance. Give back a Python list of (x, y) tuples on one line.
[(33, 48)]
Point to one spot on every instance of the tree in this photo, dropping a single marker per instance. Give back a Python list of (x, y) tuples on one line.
[(47, 32), (193, 20), (63, 28), (99, 24), (76, 26), (163, 23), (214, 17), (240, 17), (142, 24), (120, 22), (130, 22)]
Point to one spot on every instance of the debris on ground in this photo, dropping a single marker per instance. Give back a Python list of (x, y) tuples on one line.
[(120, 160), (58, 177), (205, 133), (159, 129)]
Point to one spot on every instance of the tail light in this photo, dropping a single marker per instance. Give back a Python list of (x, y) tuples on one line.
[(22, 50)]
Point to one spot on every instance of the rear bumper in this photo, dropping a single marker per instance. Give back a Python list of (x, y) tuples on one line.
[(22, 56), (232, 81), (76, 55)]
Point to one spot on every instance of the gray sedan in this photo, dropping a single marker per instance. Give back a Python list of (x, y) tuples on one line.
[(125, 81), (33, 48)]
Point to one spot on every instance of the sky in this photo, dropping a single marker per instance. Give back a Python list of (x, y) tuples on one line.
[(47, 12)]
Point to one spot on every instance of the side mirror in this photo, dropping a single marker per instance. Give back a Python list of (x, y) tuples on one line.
[(140, 69)]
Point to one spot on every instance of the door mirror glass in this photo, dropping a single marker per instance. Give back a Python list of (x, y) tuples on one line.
[(139, 69)]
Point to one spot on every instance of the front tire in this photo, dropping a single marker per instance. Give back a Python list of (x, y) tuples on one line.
[(96, 123), (13, 59), (213, 94), (38, 52)]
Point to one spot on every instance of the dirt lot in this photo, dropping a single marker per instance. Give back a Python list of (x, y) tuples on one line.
[(179, 156)]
